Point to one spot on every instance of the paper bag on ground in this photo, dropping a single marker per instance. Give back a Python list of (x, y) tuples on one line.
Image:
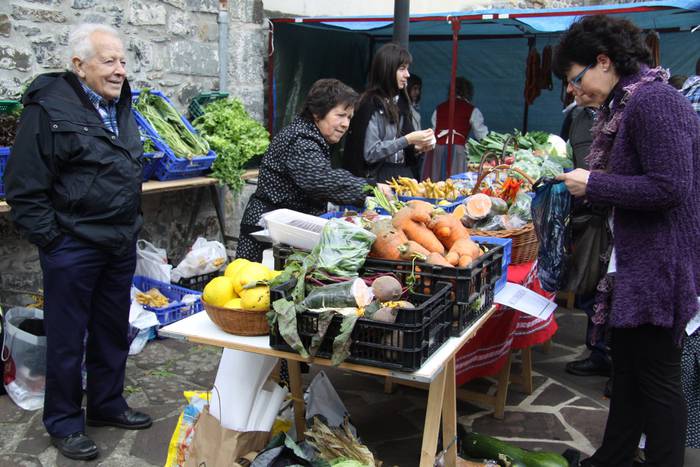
[(216, 446), (239, 380)]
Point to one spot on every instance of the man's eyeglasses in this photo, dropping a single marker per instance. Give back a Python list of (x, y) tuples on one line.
[(576, 81)]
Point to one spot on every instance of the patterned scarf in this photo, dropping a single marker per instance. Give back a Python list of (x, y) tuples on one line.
[(605, 130)]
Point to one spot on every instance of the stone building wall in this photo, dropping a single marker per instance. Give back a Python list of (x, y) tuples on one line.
[(172, 45)]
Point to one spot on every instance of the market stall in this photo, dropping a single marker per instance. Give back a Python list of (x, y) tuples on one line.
[(492, 50)]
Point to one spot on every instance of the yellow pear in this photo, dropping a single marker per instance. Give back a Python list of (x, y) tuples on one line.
[(218, 291), (235, 266), (250, 273), (257, 298), (234, 304)]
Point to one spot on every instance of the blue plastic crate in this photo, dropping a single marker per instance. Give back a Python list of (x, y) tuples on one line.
[(149, 168), (507, 249), (171, 167), (4, 153), (176, 310), (341, 210), (445, 207)]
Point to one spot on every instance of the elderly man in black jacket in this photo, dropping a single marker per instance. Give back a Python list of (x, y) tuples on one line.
[(73, 180)]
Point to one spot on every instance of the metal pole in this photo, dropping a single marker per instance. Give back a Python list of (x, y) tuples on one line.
[(451, 106), (401, 15), (223, 19), (270, 81)]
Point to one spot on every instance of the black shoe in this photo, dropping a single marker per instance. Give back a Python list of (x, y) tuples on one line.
[(129, 420), (607, 392), (76, 446), (587, 367)]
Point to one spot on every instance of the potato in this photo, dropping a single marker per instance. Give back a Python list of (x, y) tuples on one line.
[(387, 289)]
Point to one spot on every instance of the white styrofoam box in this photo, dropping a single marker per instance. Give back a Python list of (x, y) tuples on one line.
[(294, 228)]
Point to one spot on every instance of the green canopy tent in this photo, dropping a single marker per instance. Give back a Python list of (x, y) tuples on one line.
[(489, 47)]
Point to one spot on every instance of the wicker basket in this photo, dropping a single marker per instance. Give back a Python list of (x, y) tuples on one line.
[(525, 244), (239, 322)]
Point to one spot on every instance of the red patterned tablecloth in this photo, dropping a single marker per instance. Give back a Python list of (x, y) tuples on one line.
[(486, 353)]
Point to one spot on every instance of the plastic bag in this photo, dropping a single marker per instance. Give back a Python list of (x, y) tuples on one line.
[(343, 248), (152, 262), (24, 357), (204, 257), (141, 325), (551, 210), (521, 207), (182, 435)]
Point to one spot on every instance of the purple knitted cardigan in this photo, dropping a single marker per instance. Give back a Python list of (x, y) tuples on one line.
[(653, 182)]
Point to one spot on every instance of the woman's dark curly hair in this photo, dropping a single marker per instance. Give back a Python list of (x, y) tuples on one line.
[(619, 39), (324, 95)]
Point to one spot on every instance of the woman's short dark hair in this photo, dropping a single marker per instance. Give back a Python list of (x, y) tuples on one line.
[(591, 36), (326, 94), (463, 88)]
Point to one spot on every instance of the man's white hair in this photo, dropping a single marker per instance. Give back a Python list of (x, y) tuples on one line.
[(80, 43)]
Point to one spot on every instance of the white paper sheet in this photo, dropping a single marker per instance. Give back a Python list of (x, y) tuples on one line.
[(239, 379), (694, 323), (525, 300)]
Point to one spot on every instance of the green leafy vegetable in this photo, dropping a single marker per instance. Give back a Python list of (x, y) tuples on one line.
[(168, 124), (235, 137)]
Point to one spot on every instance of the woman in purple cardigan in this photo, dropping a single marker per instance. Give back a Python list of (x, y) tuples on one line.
[(645, 165)]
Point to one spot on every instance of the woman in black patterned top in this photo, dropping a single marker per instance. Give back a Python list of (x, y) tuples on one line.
[(296, 172)]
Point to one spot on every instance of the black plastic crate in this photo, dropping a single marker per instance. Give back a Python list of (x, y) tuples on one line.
[(467, 282), (396, 346), (464, 315), (198, 282)]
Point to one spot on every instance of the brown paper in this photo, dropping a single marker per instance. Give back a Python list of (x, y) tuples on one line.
[(216, 446)]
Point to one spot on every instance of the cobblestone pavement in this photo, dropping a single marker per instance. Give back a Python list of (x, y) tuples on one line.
[(563, 411)]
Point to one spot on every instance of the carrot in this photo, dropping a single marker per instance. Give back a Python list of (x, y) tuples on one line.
[(411, 249), (452, 258), (448, 229), (464, 261), (389, 238), (417, 231), (422, 210), (438, 260), (463, 246)]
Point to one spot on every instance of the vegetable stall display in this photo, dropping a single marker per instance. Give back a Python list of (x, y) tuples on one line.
[(168, 124), (235, 136)]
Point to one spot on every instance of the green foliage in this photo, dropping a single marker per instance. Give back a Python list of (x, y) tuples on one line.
[(167, 122), (235, 137)]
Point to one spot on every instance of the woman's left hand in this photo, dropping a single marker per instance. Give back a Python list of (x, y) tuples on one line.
[(576, 181), (387, 190)]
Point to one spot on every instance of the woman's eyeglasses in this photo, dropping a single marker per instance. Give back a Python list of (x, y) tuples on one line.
[(576, 81)]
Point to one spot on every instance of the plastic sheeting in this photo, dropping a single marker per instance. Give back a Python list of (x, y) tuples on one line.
[(490, 55)]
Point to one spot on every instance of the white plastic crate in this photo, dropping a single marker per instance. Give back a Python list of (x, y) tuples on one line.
[(294, 228)]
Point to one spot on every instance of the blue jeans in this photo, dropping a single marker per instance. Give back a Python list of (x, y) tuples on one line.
[(86, 289)]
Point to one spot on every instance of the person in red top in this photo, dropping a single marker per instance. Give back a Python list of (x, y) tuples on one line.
[(467, 118)]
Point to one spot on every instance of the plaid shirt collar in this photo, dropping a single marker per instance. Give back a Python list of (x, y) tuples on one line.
[(107, 110)]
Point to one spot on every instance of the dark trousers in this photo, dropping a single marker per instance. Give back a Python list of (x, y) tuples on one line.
[(595, 343), (86, 289), (646, 398)]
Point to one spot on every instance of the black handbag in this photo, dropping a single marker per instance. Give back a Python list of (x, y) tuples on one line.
[(590, 239)]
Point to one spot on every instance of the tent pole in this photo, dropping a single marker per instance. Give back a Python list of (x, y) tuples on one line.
[(270, 79), (451, 108), (401, 14)]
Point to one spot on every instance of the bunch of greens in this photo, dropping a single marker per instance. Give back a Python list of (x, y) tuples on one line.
[(166, 121), (507, 144), (235, 137)]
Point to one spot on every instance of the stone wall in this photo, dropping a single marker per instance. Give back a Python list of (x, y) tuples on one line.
[(172, 45)]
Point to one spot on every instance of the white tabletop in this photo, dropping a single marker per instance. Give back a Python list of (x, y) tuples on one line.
[(199, 328)]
